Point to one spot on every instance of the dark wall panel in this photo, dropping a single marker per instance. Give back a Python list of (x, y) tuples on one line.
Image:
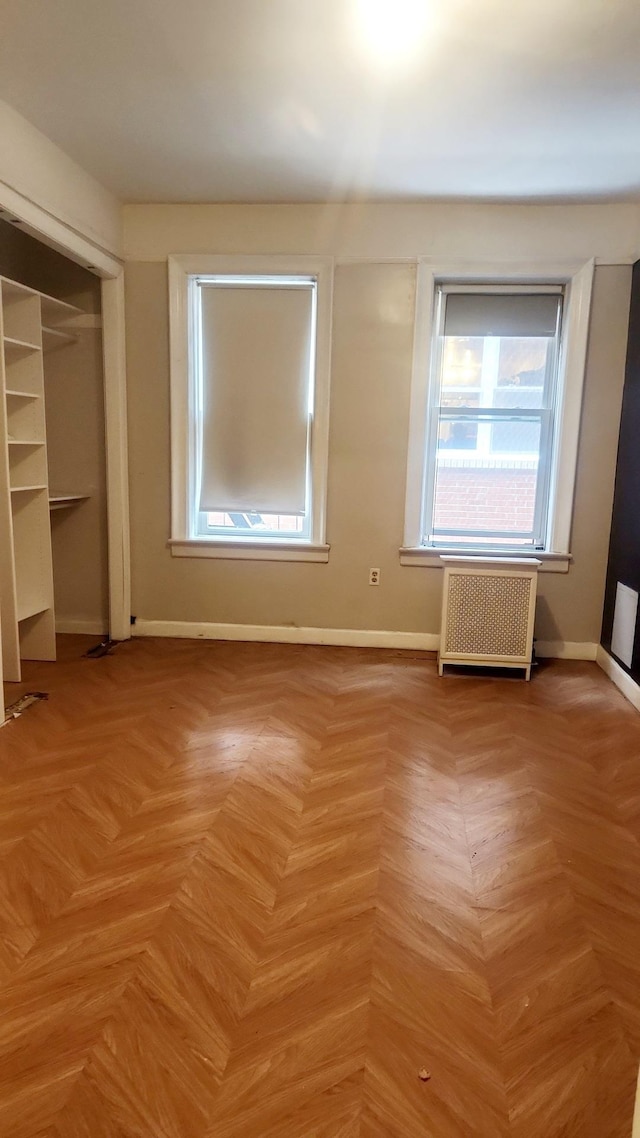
[(624, 549)]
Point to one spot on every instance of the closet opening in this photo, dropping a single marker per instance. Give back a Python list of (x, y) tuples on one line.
[(54, 570)]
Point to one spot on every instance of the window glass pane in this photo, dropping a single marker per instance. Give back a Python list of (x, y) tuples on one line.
[(523, 361), (257, 524), (456, 399), (495, 371), (462, 362), (486, 481), (458, 435), (521, 439)]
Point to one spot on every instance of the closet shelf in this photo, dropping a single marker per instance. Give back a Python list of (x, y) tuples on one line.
[(31, 608), (55, 311), (27, 489), (14, 344), (22, 394), (56, 338), (13, 290), (25, 442), (64, 501)]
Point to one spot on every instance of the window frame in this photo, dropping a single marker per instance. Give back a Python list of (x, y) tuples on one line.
[(185, 541), (546, 416), (576, 278)]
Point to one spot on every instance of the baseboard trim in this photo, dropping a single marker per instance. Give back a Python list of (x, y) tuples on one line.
[(619, 677), (283, 634), (85, 627), (343, 637), (566, 649)]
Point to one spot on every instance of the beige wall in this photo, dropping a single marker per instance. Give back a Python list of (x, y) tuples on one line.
[(608, 232), (76, 459), (34, 167), (371, 374)]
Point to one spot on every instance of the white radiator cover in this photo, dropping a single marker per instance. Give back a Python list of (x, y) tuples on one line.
[(488, 611)]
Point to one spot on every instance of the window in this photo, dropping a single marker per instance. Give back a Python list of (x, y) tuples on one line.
[(493, 416), (250, 380), (498, 369)]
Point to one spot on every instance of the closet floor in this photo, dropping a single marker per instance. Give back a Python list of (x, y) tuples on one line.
[(272, 891)]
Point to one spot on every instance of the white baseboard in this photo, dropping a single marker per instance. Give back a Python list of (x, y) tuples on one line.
[(347, 637), (88, 627), (283, 634), (566, 649), (621, 679)]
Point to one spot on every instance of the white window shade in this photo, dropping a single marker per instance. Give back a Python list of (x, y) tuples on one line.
[(522, 315), (256, 376)]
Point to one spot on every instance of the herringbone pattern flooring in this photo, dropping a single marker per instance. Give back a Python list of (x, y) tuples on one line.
[(249, 891)]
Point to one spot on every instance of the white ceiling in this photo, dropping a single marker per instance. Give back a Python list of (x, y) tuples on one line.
[(285, 100)]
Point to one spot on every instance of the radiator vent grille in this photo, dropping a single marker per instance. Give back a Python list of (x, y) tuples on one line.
[(488, 615)]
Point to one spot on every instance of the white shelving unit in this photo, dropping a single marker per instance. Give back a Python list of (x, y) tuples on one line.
[(30, 323)]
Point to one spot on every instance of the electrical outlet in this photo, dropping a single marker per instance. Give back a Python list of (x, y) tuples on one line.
[(374, 576)]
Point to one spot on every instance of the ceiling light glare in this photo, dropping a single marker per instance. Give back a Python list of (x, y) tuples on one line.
[(392, 31)]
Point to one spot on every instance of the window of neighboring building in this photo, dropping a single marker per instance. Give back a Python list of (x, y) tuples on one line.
[(250, 360), (498, 375)]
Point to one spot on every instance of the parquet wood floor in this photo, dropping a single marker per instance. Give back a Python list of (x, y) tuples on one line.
[(249, 891)]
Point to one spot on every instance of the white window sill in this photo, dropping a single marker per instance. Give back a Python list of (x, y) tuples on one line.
[(431, 558), (244, 550)]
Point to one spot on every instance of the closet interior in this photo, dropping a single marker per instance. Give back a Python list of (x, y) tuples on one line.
[(53, 519)]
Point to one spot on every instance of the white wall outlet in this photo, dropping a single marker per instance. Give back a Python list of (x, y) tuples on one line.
[(374, 576)]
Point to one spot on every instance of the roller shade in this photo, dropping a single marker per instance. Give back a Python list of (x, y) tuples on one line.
[(256, 356), (501, 314)]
